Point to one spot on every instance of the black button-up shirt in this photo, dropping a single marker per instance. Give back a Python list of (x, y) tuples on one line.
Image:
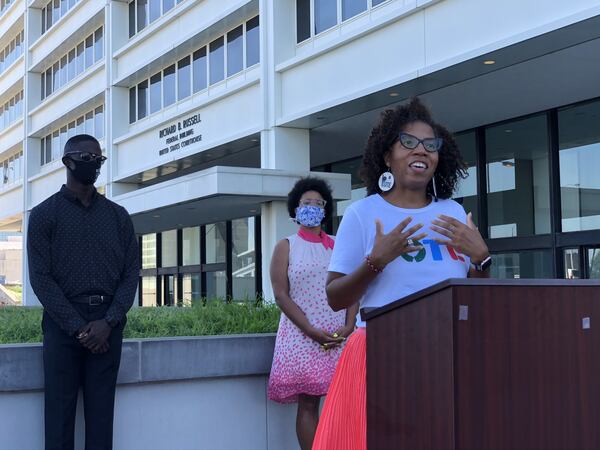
[(75, 250)]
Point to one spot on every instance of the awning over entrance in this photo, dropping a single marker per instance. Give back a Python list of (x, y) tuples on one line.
[(215, 194), (11, 223)]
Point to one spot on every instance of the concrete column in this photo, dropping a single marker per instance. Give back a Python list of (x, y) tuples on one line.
[(282, 148), (31, 146)]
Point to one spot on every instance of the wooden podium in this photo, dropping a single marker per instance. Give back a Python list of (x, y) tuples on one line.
[(486, 364)]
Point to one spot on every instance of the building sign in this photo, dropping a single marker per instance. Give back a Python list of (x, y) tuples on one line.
[(180, 134)]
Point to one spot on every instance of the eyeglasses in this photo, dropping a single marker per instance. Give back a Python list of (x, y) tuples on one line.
[(86, 156), (411, 142), (313, 202)]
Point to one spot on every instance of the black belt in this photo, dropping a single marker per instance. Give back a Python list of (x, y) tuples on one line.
[(92, 300)]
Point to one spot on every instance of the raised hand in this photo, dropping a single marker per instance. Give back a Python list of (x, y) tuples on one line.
[(389, 246), (463, 237)]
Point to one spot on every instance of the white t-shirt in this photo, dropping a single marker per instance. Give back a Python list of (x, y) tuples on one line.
[(408, 273)]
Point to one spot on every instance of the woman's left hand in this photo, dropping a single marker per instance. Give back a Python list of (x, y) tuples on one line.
[(465, 238), (345, 331)]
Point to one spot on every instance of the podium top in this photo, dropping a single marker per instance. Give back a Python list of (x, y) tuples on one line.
[(370, 313)]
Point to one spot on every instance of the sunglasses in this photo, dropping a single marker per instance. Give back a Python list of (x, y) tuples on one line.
[(411, 142), (86, 156)]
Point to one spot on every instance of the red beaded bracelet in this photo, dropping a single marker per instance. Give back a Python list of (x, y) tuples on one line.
[(372, 266)]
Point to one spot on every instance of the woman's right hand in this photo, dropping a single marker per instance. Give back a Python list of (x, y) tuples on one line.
[(389, 246), (326, 340)]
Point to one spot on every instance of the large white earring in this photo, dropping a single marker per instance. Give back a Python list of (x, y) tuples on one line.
[(386, 181), (435, 197)]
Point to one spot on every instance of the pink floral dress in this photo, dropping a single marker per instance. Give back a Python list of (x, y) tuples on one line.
[(300, 365)]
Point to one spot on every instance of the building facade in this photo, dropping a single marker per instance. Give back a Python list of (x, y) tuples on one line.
[(210, 110)]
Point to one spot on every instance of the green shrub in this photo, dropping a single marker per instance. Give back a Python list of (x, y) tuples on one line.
[(22, 325), (16, 288)]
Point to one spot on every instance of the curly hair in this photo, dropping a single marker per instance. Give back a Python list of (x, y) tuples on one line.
[(450, 166), (310, 184)]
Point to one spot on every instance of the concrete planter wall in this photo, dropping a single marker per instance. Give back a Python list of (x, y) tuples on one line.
[(173, 393)]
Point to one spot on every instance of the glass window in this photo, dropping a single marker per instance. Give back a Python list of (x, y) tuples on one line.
[(169, 86), (525, 264), (593, 262), (191, 289), (11, 171), (132, 108), (71, 130), (217, 61), (216, 285), (99, 122), (571, 263), (48, 147), (199, 69), (63, 71), (518, 178), (71, 65), (169, 248), (466, 192), (184, 80), (48, 17), (149, 291), (358, 192), (79, 59), (235, 51), (191, 246), (11, 110), (579, 156), (377, 2), (89, 51), (55, 77), (132, 18), (63, 137), (56, 149), (98, 45), (154, 10), (18, 46), (252, 42), (142, 14), (168, 5), (48, 82), (56, 11), (149, 251), (169, 290), (142, 99), (351, 8), (19, 105), (80, 127), (64, 6), (325, 15), (216, 243), (302, 20), (155, 92), (243, 259), (89, 123)]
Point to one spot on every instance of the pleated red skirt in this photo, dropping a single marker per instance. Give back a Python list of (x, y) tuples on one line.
[(343, 422)]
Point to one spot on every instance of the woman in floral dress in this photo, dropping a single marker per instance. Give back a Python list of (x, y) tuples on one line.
[(310, 334)]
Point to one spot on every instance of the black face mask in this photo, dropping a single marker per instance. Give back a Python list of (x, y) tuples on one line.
[(86, 172)]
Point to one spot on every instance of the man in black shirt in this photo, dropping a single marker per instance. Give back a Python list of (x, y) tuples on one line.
[(84, 268)]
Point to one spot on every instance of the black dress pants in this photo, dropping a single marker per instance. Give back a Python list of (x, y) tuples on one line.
[(68, 366)]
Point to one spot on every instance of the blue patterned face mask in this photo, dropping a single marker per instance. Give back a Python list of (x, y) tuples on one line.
[(310, 216)]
